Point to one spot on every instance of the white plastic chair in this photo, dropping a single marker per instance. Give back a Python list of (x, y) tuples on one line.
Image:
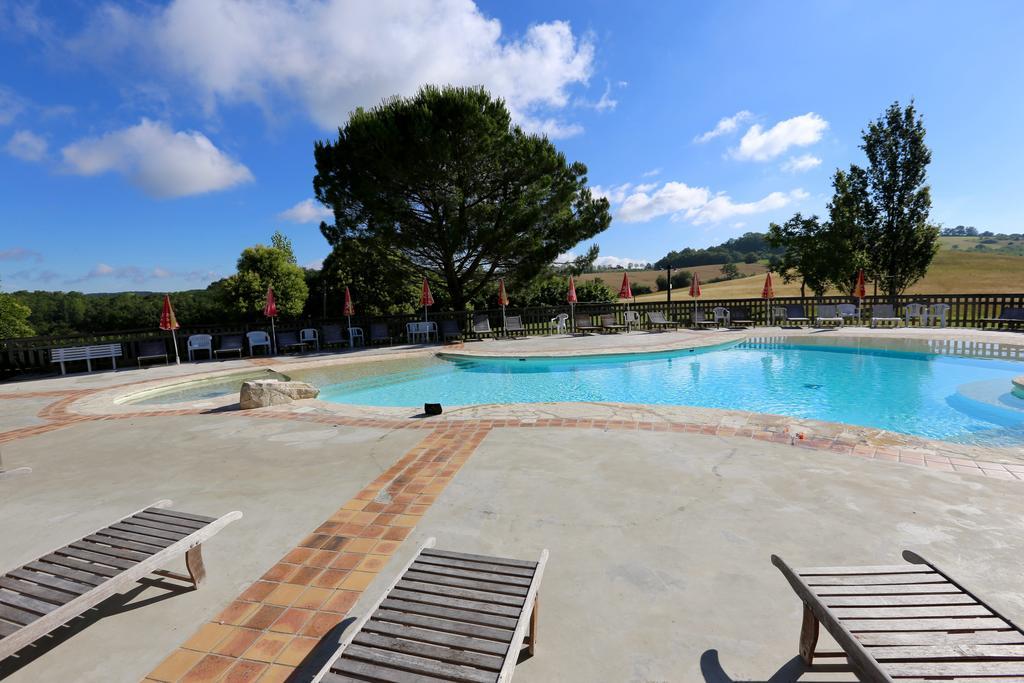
[(310, 335), (631, 318), (938, 312), (559, 323), (918, 312), (200, 342), (258, 338), (356, 334), (721, 315), (414, 331)]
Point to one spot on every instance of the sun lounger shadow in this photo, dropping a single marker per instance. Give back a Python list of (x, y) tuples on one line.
[(793, 671), (115, 604), (309, 667)]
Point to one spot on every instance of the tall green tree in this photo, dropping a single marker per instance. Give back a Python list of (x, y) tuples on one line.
[(14, 317), (806, 257), (259, 267), (849, 214), (900, 242), (455, 189), (379, 280)]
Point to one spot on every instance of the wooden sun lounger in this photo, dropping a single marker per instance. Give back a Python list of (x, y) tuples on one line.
[(514, 325), (583, 323), (908, 622), (657, 319), (608, 323), (447, 617), (47, 593), (1010, 317)]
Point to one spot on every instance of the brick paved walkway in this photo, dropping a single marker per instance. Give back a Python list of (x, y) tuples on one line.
[(270, 628)]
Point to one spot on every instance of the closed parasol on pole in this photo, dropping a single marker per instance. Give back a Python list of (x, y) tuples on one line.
[(502, 300), (768, 293), (426, 298), (571, 298), (169, 322), (270, 310)]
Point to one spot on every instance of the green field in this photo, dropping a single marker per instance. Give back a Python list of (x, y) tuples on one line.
[(952, 272)]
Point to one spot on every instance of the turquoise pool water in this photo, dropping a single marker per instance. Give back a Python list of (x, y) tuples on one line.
[(910, 392)]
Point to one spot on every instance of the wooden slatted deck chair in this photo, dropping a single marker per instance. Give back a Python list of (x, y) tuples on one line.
[(702, 318), (739, 316), (379, 333), (482, 326), (289, 340), (658, 319), (152, 348), (231, 343), (1009, 316), (908, 622), (333, 336), (42, 595), (447, 617), (884, 313), (609, 323), (514, 325), (450, 330), (583, 323), (828, 314)]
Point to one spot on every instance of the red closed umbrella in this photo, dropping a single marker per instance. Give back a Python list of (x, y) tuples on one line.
[(349, 309), (571, 298), (270, 310), (169, 322), (426, 298), (859, 290), (768, 292), (625, 292), (695, 293), (502, 300)]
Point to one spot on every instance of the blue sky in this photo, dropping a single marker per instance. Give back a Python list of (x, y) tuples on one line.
[(143, 145)]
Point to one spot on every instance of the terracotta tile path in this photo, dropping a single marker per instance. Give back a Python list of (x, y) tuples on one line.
[(271, 627)]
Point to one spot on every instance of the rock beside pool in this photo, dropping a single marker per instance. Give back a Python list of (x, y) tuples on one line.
[(260, 393), (1018, 386)]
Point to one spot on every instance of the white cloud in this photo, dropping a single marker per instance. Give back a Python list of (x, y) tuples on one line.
[(27, 146), (722, 207), (162, 162), (724, 126), (138, 275), (650, 174), (614, 194), (20, 254), (671, 198), (804, 162), (614, 261), (606, 101), (697, 205), (11, 104), (306, 211), (758, 144), (335, 55)]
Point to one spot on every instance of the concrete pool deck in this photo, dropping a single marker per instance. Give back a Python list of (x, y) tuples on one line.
[(659, 521)]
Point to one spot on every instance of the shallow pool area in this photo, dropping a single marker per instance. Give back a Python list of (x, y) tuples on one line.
[(948, 397), (199, 390)]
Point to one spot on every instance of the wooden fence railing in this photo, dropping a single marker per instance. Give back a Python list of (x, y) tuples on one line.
[(32, 354)]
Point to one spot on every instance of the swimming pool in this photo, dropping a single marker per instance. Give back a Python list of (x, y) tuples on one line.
[(937, 396)]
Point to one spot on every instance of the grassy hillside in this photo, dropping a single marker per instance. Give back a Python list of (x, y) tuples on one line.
[(952, 272), (613, 278)]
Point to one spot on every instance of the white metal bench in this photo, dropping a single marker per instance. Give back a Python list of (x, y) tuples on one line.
[(86, 353)]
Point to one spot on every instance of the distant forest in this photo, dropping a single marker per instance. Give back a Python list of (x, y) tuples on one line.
[(750, 247)]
